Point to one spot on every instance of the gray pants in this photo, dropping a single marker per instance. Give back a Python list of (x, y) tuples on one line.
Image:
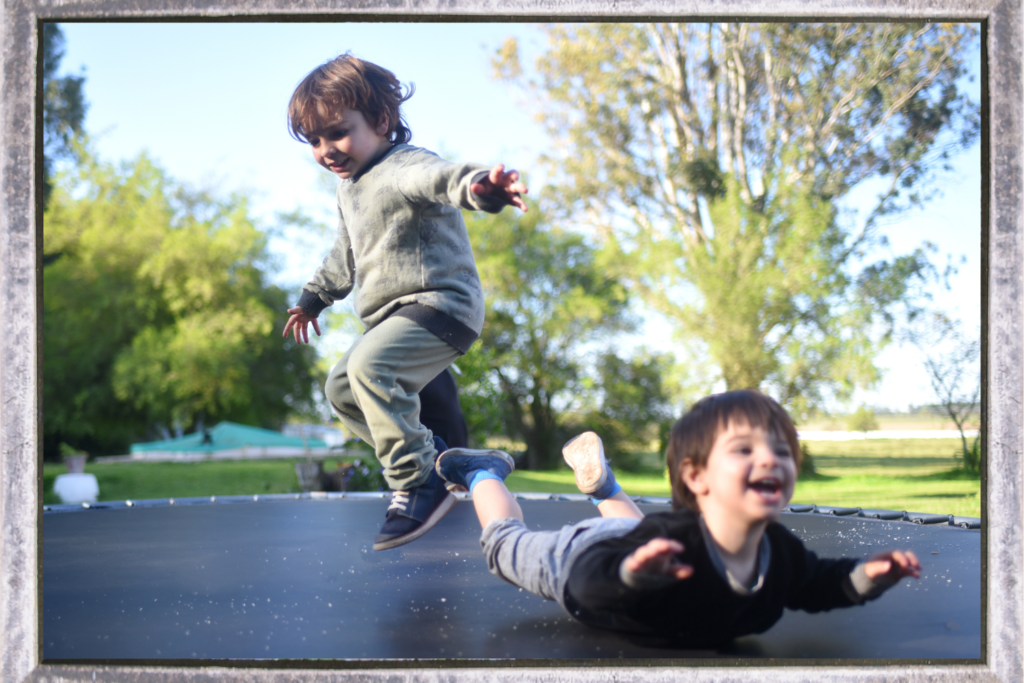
[(374, 390), (540, 561)]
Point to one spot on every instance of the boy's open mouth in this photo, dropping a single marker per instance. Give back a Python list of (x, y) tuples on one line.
[(767, 486)]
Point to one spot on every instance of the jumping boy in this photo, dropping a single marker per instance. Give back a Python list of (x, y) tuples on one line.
[(717, 567), (402, 241)]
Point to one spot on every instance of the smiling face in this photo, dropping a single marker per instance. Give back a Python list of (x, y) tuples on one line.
[(347, 143), (748, 478)]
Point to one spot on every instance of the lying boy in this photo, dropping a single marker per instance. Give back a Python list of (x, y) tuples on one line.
[(403, 245), (717, 567)]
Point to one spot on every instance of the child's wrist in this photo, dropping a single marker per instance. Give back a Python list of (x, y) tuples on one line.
[(311, 303)]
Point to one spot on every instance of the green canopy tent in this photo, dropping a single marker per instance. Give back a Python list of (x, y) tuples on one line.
[(230, 441)]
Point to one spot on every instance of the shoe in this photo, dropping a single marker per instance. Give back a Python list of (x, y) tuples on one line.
[(414, 512), (585, 456), (455, 464)]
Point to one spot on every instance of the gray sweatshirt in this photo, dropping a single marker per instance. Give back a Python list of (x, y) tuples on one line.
[(402, 241)]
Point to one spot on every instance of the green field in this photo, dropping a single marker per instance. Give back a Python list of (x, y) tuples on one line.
[(917, 475)]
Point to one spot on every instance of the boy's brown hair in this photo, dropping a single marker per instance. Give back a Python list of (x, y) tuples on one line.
[(347, 82), (694, 434)]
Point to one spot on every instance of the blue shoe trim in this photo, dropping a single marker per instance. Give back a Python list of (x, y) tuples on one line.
[(600, 496), (456, 464), (479, 475)]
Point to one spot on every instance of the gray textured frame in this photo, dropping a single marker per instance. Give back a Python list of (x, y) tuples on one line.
[(20, 367)]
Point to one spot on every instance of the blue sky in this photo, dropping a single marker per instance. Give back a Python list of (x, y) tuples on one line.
[(207, 102)]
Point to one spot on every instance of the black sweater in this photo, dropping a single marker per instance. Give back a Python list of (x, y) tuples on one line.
[(703, 609)]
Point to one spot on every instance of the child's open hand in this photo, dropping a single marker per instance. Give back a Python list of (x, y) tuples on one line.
[(298, 322), (503, 185), (893, 564), (657, 556)]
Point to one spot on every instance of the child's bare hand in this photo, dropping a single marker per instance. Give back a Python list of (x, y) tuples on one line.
[(502, 184), (657, 556), (895, 564), (297, 323)]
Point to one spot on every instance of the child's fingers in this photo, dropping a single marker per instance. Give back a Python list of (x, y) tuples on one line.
[(877, 566), (316, 326), (907, 563), (682, 571), (495, 175), (652, 553)]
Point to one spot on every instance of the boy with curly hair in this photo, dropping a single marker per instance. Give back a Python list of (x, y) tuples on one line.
[(402, 242)]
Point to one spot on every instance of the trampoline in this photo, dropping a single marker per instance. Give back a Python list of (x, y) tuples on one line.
[(293, 577)]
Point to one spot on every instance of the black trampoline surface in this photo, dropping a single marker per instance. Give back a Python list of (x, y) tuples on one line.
[(296, 579)]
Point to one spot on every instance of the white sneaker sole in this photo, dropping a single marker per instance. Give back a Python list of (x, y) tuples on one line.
[(585, 456)]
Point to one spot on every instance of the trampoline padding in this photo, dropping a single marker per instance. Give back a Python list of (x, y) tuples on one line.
[(298, 580)]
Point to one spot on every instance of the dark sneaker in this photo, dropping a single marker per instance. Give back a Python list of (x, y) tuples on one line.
[(455, 464), (413, 513), (585, 456)]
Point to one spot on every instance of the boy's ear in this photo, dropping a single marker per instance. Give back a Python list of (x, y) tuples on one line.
[(693, 478), (382, 126)]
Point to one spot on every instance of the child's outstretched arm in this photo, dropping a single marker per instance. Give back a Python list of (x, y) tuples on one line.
[(503, 185), (297, 322), (877, 574), (892, 565), (657, 557)]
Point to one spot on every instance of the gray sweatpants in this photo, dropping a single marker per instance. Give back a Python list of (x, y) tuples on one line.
[(540, 561), (374, 390)]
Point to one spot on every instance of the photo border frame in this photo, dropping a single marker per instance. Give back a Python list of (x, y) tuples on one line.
[(1002, 97)]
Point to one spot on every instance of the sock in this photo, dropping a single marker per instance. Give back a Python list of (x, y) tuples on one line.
[(477, 476), (439, 445), (615, 489)]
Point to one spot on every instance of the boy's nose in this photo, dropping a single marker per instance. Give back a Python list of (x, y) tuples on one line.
[(767, 457)]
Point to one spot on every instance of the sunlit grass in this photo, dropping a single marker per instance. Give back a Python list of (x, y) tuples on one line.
[(917, 475)]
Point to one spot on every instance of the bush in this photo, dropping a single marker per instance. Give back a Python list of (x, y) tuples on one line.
[(360, 475), (862, 420), (970, 459), (807, 464)]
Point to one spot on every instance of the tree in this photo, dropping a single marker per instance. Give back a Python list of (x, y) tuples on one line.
[(951, 360), (64, 106), (635, 404), (549, 296), (157, 313), (712, 157)]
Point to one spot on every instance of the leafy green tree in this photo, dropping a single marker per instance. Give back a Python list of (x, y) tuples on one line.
[(711, 158), (157, 312), (635, 405), (64, 106), (549, 296)]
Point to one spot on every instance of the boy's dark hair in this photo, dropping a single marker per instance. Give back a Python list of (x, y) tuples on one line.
[(694, 434), (347, 82)]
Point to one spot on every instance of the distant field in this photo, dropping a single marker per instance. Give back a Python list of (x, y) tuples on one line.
[(917, 475), (897, 421)]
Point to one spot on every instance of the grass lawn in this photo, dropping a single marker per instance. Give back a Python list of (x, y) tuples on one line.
[(917, 475)]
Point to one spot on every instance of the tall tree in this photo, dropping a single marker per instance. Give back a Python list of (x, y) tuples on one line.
[(157, 312), (712, 158), (548, 295), (951, 358), (64, 106)]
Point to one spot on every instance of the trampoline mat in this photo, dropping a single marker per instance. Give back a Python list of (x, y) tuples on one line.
[(297, 579)]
